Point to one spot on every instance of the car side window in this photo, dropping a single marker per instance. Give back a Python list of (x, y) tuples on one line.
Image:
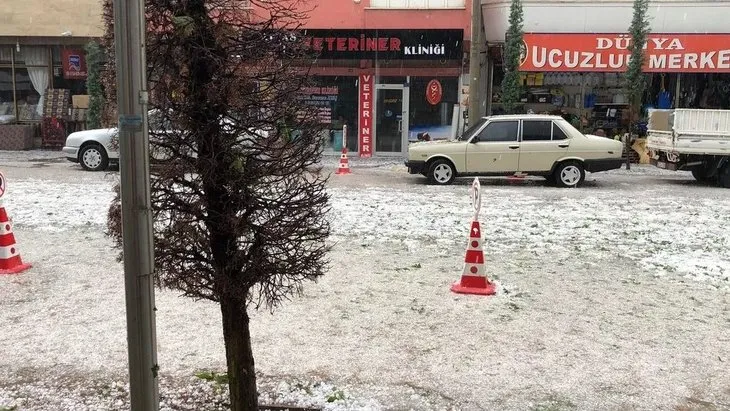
[(536, 130), (498, 131), (558, 133)]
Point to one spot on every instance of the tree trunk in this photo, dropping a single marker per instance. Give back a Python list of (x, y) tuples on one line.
[(239, 356)]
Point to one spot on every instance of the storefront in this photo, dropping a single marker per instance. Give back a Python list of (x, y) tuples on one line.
[(581, 76), (390, 87), (28, 73), (575, 67)]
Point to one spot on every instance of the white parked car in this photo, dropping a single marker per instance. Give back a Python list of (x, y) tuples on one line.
[(540, 145), (96, 149), (92, 148)]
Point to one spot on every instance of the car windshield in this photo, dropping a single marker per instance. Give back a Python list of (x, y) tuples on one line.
[(469, 131)]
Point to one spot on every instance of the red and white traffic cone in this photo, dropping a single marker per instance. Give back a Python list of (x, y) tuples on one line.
[(344, 167), (10, 261), (474, 277)]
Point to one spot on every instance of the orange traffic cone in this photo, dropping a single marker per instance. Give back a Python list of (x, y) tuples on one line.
[(10, 262), (344, 167), (474, 277)]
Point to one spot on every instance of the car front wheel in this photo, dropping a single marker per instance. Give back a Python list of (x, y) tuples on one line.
[(569, 174), (93, 158), (441, 172)]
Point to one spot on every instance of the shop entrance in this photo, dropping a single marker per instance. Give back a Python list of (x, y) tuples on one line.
[(391, 119)]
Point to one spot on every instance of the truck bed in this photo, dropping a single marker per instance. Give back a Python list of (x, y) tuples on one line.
[(695, 131)]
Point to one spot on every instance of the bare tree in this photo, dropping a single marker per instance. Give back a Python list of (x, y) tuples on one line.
[(238, 217)]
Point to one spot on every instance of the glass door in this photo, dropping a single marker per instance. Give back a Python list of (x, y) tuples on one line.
[(391, 119)]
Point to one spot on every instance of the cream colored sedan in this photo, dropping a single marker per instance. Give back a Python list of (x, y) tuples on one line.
[(540, 145)]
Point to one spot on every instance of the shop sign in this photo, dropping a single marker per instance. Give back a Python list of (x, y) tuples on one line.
[(365, 129), (665, 53), (74, 64), (390, 44), (434, 92)]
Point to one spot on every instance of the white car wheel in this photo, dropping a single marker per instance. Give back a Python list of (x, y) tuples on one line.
[(569, 174), (93, 158), (441, 172)]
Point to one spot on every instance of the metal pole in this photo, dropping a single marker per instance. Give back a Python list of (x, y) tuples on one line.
[(474, 60), (344, 136), (129, 37)]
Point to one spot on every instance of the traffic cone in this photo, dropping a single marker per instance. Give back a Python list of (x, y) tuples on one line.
[(344, 167), (10, 262), (474, 278)]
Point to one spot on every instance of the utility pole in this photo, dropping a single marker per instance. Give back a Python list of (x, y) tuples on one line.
[(129, 39), (474, 60)]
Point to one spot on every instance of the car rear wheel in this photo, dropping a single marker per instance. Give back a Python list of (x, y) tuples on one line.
[(724, 176), (441, 172), (569, 174), (93, 157)]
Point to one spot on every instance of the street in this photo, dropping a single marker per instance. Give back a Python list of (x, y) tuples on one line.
[(610, 296)]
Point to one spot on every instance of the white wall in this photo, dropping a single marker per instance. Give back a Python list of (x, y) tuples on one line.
[(581, 16)]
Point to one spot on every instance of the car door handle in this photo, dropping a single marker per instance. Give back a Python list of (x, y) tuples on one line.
[(563, 145), (514, 147)]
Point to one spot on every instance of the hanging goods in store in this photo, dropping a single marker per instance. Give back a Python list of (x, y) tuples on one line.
[(474, 278), (10, 261)]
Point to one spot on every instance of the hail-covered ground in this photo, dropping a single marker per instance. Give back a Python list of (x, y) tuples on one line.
[(611, 296)]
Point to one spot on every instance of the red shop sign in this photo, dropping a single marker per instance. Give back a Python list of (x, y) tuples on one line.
[(74, 64), (434, 92), (365, 129), (665, 53)]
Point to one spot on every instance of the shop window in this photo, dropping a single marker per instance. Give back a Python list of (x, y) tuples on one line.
[(6, 55), (534, 130), (499, 131), (7, 105), (76, 86), (29, 99), (417, 4), (435, 119), (336, 101), (32, 56)]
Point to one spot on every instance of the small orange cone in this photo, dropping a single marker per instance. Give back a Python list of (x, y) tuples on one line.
[(344, 167), (474, 277), (10, 261)]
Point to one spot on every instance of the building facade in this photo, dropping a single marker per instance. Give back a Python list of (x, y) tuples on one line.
[(42, 48), (391, 70), (576, 51)]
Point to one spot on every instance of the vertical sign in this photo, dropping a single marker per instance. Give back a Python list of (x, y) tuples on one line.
[(365, 134)]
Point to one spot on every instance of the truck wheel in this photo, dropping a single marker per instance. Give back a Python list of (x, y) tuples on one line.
[(724, 176), (700, 174)]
